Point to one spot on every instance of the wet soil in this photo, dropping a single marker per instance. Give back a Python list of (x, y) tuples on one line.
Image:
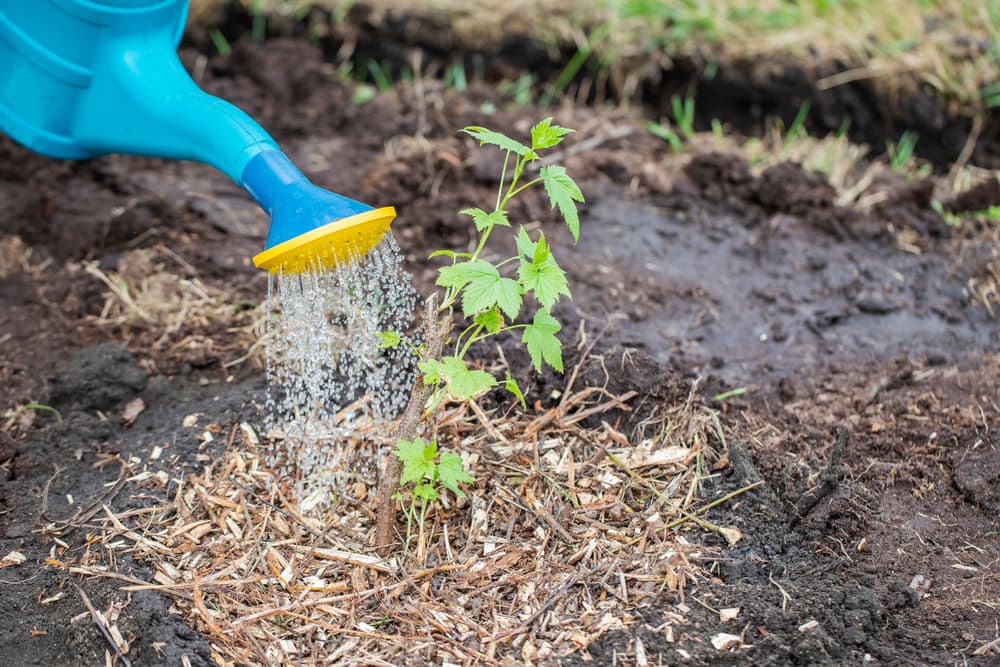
[(887, 537)]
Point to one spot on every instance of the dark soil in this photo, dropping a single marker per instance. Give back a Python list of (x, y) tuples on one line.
[(746, 94), (871, 372)]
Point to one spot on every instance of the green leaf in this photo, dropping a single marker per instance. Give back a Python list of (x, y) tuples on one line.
[(563, 193), (542, 252), (418, 459), (459, 275), (425, 492), (510, 384), (486, 221), (451, 473), (543, 276), (491, 320), (463, 382), (389, 340), (503, 141), (547, 280), (488, 289), (431, 370), (547, 135), (540, 337), (525, 246)]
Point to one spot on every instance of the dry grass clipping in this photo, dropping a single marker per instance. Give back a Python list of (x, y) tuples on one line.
[(156, 302), (567, 534)]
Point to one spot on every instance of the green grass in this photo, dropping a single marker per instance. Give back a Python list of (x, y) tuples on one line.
[(952, 46), (901, 152)]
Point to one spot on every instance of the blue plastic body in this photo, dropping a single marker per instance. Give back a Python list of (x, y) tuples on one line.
[(83, 78), (295, 205)]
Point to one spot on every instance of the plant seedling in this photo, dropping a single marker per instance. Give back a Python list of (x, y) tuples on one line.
[(494, 300), (12, 416), (683, 112), (901, 152), (426, 474)]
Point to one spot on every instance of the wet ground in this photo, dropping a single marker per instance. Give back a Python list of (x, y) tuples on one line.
[(864, 341)]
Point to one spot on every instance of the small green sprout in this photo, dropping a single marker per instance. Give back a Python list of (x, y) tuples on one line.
[(426, 473), (732, 393), (901, 152), (12, 416), (683, 112)]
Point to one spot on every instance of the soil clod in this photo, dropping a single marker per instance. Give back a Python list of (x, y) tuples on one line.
[(101, 377)]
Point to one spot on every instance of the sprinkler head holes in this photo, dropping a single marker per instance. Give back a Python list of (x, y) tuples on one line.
[(330, 245)]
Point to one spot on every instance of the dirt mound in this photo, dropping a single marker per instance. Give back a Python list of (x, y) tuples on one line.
[(102, 377), (977, 471)]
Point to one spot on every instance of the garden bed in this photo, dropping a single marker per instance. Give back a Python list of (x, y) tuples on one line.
[(823, 348)]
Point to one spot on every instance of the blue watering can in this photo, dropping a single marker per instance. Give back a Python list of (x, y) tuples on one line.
[(83, 78)]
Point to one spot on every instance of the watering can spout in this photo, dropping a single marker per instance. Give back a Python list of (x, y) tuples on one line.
[(82, 78)]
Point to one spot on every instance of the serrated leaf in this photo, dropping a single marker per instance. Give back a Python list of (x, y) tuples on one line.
[(510, 384), (418, 459), (502, 140), (461, 274), (486, 221), (491, 320), (563, 194), (545, 279), (431, 370), (425, 492), (540, 338), (389, 340), (546, 135), (463, 382), (451, 473), (490, 289), (541, 250), (525, 246)]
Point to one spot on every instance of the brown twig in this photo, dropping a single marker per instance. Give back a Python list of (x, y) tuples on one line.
[(568, 584), (829, 479), (724, 499), (437, 331), (63, 527), (102, 627)]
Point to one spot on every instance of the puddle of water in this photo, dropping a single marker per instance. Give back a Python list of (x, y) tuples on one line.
[(701, 285)]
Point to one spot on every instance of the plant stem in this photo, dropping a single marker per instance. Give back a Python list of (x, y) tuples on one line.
[(458, 341), (503, 176), (471, 341), (468, 343), (518, 168), (522, 188), (409, 522), (436, 331)]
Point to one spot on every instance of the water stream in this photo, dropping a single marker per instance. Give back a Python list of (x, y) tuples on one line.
[(331, 389)]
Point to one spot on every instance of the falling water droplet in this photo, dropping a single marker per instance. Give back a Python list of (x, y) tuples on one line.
[(331, 391)]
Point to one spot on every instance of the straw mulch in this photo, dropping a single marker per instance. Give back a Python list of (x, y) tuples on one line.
[(567, 534)]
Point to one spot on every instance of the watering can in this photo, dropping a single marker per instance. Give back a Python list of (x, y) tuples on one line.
[(83, 78)]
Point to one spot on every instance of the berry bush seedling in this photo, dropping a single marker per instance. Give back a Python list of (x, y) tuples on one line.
[(516, 294), (425, 474)]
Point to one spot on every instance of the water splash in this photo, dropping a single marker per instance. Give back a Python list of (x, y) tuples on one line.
[(331, 389)]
